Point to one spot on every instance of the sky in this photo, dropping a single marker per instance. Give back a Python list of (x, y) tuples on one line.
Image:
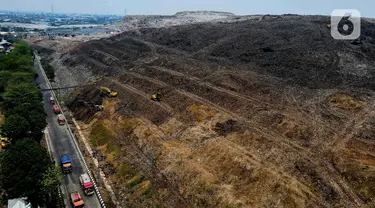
[(239, 7)]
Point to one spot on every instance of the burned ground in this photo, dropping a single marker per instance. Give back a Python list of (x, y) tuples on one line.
[(267, 112)]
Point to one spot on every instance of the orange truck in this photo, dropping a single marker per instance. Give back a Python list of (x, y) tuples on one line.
[(76, 200), (86, 184)]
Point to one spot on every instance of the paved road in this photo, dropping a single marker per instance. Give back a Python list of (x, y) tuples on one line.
[(61, 143)]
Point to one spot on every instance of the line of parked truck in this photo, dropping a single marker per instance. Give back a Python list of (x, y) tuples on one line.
[(66, 165)]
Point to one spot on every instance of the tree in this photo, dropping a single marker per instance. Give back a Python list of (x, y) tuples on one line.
[(52, 178), (17, 94), (22, 169), (21, 77), (17, 62), (22, 48), (49, 72), (15, 127), (4, 79), (34, 115)]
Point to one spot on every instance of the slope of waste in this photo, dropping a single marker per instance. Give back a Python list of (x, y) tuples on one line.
[(264, 112), (133, 22)]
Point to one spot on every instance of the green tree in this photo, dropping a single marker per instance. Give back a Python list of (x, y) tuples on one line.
[(17, 62), (34, 115), (17, 94), (4, 79), (22, 48), (22, 169), (52, 178), (15, 127), (49, 72), (21, 77)]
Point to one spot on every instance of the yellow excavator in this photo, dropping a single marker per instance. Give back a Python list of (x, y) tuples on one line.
[(108, 92), (156, 97), (4, 142)]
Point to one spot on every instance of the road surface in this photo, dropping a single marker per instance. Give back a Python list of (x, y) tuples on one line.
[(61, 143)]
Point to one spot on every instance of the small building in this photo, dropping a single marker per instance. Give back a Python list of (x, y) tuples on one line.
[(19, 203), (6, 46), (5, 43)]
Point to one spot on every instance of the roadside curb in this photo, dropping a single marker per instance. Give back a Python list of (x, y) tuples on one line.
[(102, 174)]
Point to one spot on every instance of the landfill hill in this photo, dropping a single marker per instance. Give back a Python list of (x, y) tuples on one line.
[(133, 22), (264, 111)]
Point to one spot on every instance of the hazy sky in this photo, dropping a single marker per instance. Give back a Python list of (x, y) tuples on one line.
[(366, 7)]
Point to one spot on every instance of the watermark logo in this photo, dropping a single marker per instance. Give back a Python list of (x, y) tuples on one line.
[(345, 24)]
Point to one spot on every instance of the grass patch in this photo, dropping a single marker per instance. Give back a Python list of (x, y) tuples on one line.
[(126, 172), (347, 102), (201, 112), (137, 179), (100, 135)]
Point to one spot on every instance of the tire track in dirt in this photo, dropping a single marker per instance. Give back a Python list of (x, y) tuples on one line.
[(107, 54), (243, 97), (349, 130), (269, 167), (291, 146), (196, 79)]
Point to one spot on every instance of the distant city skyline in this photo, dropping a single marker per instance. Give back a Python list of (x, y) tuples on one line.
[(168, 7)]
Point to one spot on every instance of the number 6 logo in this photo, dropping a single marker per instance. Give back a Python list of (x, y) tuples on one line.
[(346, 24)]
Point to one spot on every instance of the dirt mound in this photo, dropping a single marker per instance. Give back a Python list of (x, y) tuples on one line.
[(265, 111)]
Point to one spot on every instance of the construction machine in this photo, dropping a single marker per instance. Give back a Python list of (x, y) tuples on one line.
[(156, 97), (4, 142), (108, 92)]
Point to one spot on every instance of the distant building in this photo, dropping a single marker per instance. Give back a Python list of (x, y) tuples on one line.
[(6, 46), (19, 203)]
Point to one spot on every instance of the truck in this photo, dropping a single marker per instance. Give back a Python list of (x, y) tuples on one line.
[(66, 164), (61, 119), (56, 109), (52, 100), (86, 184), (76, 200)]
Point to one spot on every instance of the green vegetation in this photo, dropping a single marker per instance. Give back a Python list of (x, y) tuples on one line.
[(52, 178), (22, 170), (50, 72), (24, 112), (25, 168)]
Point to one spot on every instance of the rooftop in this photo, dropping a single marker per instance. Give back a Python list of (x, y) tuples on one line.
[(18, 203)]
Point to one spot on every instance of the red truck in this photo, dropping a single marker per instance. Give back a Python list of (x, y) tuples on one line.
[(76, 200), (86, 184), (56, 109), (61, 119)]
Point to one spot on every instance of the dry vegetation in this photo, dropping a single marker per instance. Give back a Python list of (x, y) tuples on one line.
[(253, 114)]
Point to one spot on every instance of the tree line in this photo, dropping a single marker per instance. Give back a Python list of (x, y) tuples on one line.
[(26, 169), (48, 69)]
